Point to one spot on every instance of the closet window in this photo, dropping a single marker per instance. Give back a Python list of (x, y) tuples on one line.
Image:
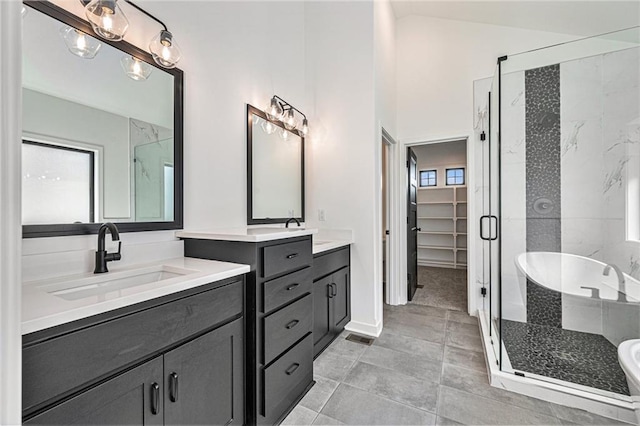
[(428, 178)]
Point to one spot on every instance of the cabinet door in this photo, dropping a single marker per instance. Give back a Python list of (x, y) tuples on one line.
[(132, 398), (321, 314), (204, 379), (341, 300)]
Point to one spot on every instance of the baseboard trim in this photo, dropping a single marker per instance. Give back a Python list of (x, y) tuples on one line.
[(364, 328)]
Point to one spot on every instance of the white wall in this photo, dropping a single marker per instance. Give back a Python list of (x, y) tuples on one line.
[(441, 156)]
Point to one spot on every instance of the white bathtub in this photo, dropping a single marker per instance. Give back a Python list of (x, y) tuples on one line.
[(571, 274)]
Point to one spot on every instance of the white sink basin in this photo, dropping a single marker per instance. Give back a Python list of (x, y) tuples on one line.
[(101, 284)]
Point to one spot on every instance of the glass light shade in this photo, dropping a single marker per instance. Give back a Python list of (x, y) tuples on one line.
[(268, 127), (284, 134), (274, 112), (305, 128), (289, 120), (164, 50), (107, 19), (24, 11), (135, 68), (79, 43)]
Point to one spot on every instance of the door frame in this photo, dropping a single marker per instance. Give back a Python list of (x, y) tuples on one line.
[(398, 288), (394, 224)]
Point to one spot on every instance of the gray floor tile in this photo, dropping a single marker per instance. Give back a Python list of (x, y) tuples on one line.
[(477, 383), (443, 421), (319, 394), (462, 317), (323, 420), (410, 364), (300, 416), (411, 345), (472, 409), (345, 348), (414, 319), (463, 328), (465, 358), (574, 415), (433, 333), (418, 309), (332, 367), (463, 340), (398, 387), (356, 407)]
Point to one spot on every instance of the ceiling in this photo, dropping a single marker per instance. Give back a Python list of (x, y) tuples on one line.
[(583, 18)]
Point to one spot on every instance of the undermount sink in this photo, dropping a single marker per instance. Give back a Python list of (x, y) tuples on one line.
[(629, 358), (80, 288)]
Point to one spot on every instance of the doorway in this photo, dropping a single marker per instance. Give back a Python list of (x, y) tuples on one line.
[(437, 225)]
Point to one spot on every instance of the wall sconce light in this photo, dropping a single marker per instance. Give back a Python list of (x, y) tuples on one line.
[(79, 43), (135, 68), (109, 22), (281, 110)]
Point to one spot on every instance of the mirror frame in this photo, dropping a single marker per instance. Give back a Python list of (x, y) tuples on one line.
[(250, 220), (58, 230)]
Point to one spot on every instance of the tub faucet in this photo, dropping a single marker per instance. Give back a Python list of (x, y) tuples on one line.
[(102, 257), (286, 225), (622, 296)]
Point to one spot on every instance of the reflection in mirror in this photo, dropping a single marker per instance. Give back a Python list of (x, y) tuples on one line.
[(276, 171), (98, 130)]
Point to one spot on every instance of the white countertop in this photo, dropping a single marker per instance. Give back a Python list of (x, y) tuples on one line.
[(252, 235), (42, 309), (320, 246)]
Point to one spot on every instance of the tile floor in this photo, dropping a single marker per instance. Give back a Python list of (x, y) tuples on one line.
[(427, 367), (443, 287)]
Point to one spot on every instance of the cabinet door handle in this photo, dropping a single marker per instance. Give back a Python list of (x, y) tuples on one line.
[(292, 324), (329, 291), (292, 369), (292, 286), (155, 398), (173, 387), (334, 290), (291, 256)]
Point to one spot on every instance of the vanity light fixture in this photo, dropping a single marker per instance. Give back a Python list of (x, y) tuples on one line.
[(109, 22), (106, 18), (135, 68), (281, 110), (79, 43), (268, 127)]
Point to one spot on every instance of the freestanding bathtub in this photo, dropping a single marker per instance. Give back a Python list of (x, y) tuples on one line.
[(575, 275)]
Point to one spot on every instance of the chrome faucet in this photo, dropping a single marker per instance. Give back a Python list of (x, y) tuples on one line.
[(286, 225), (102, 257), (622, 296)]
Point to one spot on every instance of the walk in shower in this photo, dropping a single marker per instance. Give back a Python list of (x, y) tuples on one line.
[(559, 190)]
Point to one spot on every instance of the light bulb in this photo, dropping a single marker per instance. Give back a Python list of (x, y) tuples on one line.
[(79, 43), (268, 127), (164, 49), (305, 128), (284, 134), (290, 120), (135, 69), (107, 19), (274, 112)]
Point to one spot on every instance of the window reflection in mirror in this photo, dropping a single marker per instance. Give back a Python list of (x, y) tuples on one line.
[(95, 126)]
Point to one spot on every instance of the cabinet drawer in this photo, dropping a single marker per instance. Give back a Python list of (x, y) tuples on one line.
[(286, 379), (325, 264), (286, 257), (71, 361), (278, 292), (286, 326)]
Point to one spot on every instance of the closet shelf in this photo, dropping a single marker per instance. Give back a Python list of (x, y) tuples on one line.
[(435, 247)]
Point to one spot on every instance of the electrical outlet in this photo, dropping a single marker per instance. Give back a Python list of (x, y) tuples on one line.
[(321, 215)]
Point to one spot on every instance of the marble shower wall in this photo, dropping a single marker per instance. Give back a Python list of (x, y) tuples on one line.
[(600, 130)]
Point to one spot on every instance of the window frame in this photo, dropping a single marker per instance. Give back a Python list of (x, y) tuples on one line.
[(446, 176), (92, 171), (435, 178)]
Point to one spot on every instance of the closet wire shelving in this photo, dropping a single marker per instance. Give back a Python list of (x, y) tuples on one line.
[(442, 218)]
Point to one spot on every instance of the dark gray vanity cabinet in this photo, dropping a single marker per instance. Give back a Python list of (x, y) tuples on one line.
[(175, 360), (331, 296), (279, 320)]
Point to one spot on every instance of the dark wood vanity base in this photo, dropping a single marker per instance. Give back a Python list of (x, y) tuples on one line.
[(279, 320)]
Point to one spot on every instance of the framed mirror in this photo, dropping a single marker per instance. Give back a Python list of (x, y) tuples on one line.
[(275, 170), (102, 131)]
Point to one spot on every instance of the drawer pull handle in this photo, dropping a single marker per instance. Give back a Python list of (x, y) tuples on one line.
[(330, 291), (173, 387), (155, 399), (291, 256), (292, 369), (292, 324), (292, 286)]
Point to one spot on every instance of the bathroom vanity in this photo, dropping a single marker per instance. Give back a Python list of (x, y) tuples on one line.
[(172, 358)]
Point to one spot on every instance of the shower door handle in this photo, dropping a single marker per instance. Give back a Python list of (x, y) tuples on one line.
[(492, 236), (482, 220)]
